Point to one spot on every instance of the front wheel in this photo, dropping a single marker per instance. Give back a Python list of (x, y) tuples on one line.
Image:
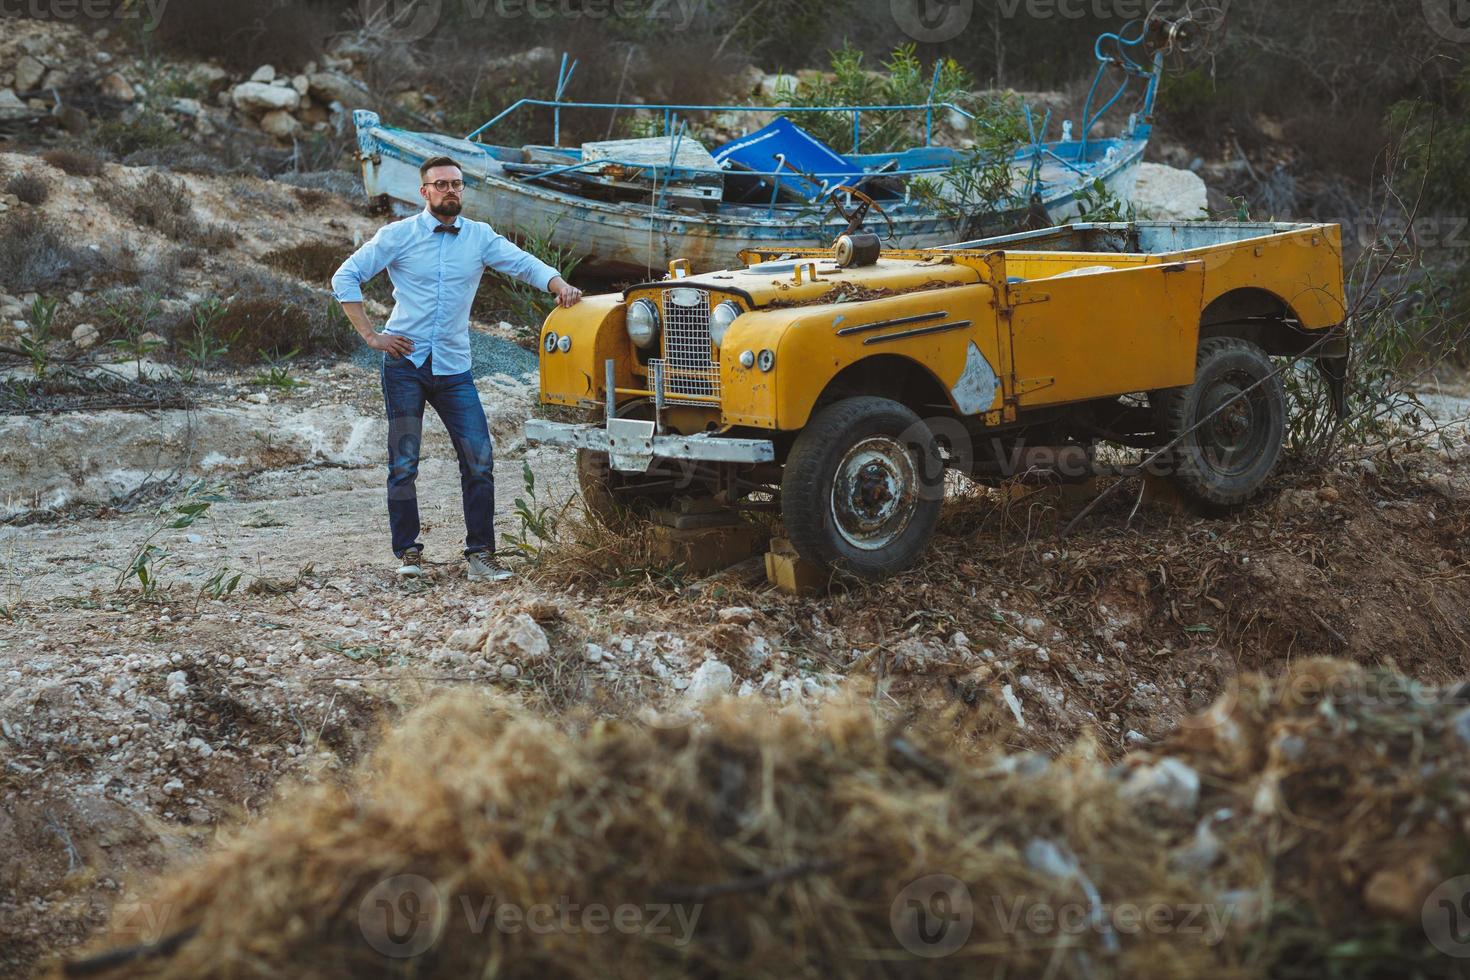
[(862, 487), (1231, 423)]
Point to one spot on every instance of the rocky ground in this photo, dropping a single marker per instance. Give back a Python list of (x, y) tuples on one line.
[(142, 720)]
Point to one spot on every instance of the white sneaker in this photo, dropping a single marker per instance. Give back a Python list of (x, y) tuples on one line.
[(412, 564), (485, 567)]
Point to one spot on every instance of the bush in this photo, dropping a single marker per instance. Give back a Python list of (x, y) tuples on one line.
[(150, 130), (315, 262), (30, 188), (34, 256), (76, 162), (272, 318), (162, 204), (245, 34)]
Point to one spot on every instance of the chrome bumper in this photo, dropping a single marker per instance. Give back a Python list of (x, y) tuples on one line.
[(632, 444)]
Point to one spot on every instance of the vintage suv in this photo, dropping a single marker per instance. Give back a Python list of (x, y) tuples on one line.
[(839, 385)]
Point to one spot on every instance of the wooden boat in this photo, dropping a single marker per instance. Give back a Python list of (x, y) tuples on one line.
[(630, 207)]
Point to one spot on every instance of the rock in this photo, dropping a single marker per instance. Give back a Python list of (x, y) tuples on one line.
[(173, 787), (176, 685), (510, 671), (265, 73), (55, 78), (151, 339), (280, 124), (1169, 783), (260, 98), (116, 87), (28, 73), (11, 105), (772, 84), (301, 84), (85, 336), (1167, 194), (712, 680), (518, 636), (470, 638), (1008, 695), (187, 107), (258, 398), (1461, 725), (207, 77), (739, 615), (330, 86)]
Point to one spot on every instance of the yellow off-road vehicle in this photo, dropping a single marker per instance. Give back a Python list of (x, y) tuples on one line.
[(840, 384)]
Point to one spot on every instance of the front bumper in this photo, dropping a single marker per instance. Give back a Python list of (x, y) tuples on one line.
[(632, 444)]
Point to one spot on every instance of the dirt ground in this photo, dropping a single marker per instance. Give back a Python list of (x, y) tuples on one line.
[(138, 728)]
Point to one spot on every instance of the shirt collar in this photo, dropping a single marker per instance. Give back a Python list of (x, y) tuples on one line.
[(427, 219)]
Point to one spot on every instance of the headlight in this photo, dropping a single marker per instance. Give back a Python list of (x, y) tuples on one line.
[(720, 319), (643, 323)]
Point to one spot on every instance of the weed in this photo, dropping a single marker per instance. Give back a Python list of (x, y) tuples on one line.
[(221, 583), (79, 162), (30, 188), (1097, 203), (134, 323), (278, 372), (36, 343), (35, 256), (205, 346), (197, 499), (539, 523), (151, 130)]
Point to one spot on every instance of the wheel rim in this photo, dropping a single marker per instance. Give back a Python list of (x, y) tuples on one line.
[(1237, 424), (875, 493)]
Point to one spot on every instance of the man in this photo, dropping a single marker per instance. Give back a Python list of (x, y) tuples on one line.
[(435, 261)]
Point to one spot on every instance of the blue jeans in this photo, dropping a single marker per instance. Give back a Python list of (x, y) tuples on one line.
[(405, 391)]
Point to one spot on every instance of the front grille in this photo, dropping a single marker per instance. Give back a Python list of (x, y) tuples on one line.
[(691, 374)]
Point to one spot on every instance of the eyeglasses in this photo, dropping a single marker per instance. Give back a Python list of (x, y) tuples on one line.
[(444, 185)]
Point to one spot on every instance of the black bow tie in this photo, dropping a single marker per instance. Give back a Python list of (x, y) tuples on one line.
[(447, 229)]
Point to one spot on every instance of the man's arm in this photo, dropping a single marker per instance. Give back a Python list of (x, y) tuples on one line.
[(503, 255), (361, 266)]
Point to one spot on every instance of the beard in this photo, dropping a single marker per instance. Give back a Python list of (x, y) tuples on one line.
[(448, 208)]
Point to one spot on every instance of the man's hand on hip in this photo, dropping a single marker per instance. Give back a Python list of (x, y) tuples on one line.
[(390, 344), (567, 295)]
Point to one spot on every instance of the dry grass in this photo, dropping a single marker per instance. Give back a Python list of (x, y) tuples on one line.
[(788, 842), (791, 838), (162, 203), (77, 162), (30, 188), (34, 255)]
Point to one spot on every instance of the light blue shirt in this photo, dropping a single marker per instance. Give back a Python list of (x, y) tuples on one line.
[(435, 276)]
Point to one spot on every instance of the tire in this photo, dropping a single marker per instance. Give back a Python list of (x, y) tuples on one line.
[(885, 445), (1226, 460)]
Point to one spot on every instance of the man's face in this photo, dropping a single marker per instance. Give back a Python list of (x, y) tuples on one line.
[(445, 203)]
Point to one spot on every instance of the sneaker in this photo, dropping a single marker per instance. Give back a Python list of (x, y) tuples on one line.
[(485, 567), (412, 564)]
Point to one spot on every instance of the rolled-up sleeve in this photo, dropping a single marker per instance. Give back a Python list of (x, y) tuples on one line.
[(503, 255), (361, 266)]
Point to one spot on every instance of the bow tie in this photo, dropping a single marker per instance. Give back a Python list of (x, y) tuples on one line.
[(447, 229)]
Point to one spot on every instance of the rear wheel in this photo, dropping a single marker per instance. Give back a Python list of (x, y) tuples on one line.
[(1232, 420), (862, 487)]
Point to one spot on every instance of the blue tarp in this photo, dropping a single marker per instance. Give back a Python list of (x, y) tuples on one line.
[(803, 153)]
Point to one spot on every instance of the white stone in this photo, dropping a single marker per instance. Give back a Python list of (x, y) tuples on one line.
[(115, 86), (519, 636), (260, 98), (301, 84), (10, 104), (280, 124), (85, 335), (470, 638), (258, 398), (712, 680), (265, 73), (1169, 782), (1168, 194), (329, 86), (28, 73)]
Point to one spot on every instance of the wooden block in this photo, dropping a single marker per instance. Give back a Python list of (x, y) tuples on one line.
[(1163, 494), (707, 549), (791, 573)]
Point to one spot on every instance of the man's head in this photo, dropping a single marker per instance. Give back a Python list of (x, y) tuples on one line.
[(442, 186)]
